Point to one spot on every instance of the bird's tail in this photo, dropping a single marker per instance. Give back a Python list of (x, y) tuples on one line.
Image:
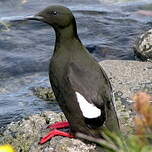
[(112, 122)]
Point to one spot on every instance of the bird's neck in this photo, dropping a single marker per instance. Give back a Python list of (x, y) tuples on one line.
[(66, 34)]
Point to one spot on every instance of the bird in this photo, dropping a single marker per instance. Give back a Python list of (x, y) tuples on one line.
[(80, 84)]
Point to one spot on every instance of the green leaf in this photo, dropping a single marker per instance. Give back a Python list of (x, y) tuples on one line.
[(147, 148)]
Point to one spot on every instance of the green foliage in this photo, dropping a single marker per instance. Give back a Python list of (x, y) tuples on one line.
[(119, 143)]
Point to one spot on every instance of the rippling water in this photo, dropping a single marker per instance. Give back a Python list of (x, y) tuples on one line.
[(107, 27)]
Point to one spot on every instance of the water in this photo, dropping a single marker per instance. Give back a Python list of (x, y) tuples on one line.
[(107, 27)]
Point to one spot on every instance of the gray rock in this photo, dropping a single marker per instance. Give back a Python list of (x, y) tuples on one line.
[(25, 135), (126, 77), (143, 46), (74, 145)]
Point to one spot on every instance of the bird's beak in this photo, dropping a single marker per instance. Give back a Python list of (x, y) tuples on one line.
[(35, 17), (21, 18)]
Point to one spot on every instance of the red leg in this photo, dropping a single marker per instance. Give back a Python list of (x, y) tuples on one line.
[(54, 133), (59, 125)]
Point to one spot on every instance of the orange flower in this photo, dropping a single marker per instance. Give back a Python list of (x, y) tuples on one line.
[(143, 108)]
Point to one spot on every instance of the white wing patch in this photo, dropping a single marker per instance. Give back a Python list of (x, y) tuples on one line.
[(88, 110)]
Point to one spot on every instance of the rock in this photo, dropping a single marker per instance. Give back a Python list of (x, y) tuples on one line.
[(44, 93), (25, 135), (127, 77), (74, 145), (143, 46)]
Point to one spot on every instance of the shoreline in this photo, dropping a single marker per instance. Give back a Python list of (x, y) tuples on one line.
[(126, 78)]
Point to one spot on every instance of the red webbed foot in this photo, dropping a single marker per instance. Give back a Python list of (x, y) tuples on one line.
[(53, 133), (59, 125)]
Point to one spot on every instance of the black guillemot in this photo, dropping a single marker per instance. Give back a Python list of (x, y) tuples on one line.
[(80, 85)]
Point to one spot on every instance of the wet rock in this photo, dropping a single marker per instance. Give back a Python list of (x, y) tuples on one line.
[(44, 93), (143, 46)]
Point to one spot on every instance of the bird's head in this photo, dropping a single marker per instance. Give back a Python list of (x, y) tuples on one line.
[(56, 16)]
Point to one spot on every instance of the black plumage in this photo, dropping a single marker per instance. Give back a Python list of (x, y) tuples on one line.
[(73, 70)]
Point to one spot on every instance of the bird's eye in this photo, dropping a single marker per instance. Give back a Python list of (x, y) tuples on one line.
[(53, 12)]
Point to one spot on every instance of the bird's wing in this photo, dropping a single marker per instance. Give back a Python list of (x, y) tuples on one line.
[(94, 92), (91, 85)]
